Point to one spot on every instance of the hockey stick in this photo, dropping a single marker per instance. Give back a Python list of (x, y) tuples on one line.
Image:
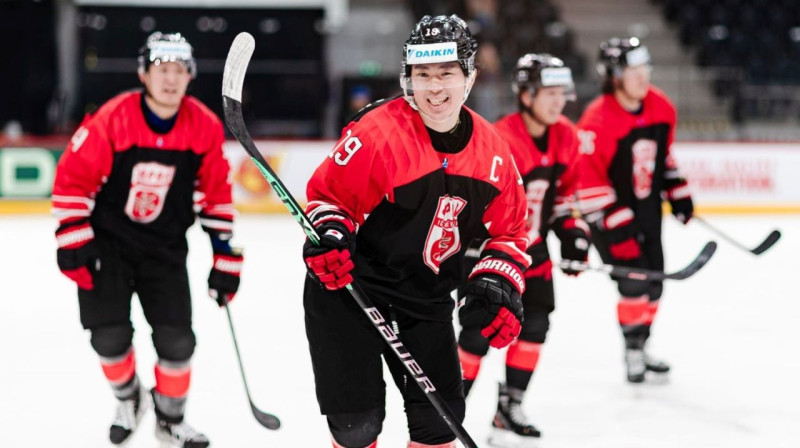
[(232, 82), (266, 419), (474, 249), (768, 242), (646, 274)]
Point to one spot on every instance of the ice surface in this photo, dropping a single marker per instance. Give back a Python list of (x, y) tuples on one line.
[(730, 333)]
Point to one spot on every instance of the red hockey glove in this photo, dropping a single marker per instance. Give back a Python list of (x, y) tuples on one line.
[(329, 262), (492, 301), (621, 234), (223, 280), (77, 253)]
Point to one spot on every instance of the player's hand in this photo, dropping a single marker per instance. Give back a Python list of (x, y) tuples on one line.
[(330, 263), (574, 247), (223, 280), (77, 253), (621, 233), (492, 301), (682, 209)]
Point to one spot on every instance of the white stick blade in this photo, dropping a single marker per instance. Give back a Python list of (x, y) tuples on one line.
[(236, 65)]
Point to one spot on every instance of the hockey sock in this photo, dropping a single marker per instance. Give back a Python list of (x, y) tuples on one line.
[(371, 445), (172, 386), (521, 360), (634, 314), (121, 373), (470, 365)]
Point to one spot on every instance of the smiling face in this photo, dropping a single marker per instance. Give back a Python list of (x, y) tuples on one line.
[(165, 84), (439, 91)]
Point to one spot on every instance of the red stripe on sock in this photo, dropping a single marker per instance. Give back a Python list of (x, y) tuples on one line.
[(470, 364), (172, 382), (523, 355), (119, 372), (633, 311), (652, 309)]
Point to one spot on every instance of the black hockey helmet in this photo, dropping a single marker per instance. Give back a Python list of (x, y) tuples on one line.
[(534, 71), (617, 53), (167, 47), (432, 40)]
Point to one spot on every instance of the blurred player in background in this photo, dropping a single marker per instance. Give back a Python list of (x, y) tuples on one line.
[(544, 144), (410, 182), (627, 170), (126, 190)]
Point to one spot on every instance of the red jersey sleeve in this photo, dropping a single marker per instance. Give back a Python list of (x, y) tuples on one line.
[(567, 185), (81, 171), (505, 218), (351, 181), (213, 184), (596, 151)]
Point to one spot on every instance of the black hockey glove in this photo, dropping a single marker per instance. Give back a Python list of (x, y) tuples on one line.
[(77, 253), (492, 302), (574, 247), (330, 263), (223, 280), (682, 209)]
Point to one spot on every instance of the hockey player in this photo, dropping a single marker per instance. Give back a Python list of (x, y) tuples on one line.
[(544, 144), (411, 180), (125, 192), (627, 170)]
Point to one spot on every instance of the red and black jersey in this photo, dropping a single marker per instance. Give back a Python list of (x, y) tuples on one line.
[(142, 186), (417, 209), (625, 158), (549, 174)]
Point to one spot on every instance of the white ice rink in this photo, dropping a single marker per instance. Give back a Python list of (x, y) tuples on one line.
[(730, 333)]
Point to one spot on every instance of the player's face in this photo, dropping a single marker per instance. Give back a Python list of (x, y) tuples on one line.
[(438, 90), (548, 103), (636, 81), (166, 83)]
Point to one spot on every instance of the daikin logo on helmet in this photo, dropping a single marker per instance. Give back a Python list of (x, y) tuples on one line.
[(432, 53), (170, 51), (561, 76)]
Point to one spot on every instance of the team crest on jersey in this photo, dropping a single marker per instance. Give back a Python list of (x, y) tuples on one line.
[(535, 192), (443, 239), (150, 182), (644, 164)]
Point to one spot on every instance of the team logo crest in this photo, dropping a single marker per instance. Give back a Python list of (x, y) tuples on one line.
[(150, 182), (644, 164), (443, 239)]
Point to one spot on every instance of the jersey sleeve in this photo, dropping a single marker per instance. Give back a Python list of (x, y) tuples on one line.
[(350, 182), (214, 197), (595, 192), (675, 185), (505, 219), (81, 172), (567, 185), (566, 214)]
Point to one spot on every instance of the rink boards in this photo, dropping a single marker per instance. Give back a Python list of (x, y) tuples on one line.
[(724, 177)]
